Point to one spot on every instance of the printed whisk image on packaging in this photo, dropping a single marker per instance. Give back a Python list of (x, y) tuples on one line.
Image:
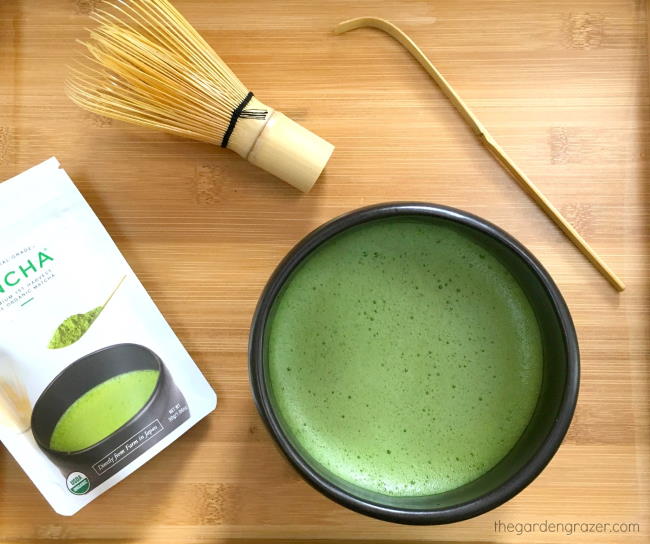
[(93, 381)]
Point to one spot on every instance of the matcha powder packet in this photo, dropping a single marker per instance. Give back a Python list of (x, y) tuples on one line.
[(93, 381)]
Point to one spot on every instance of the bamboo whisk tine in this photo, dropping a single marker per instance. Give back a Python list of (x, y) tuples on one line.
[(147, 65), (163, 23)]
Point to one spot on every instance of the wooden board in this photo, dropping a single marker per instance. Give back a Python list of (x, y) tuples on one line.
[(563, 87)]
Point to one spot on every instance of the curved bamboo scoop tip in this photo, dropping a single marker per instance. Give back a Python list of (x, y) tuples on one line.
[(360, 22), (489, 142)]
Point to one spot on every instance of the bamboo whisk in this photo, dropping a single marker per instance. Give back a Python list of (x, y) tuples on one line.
[(15, 407), (150, 67)]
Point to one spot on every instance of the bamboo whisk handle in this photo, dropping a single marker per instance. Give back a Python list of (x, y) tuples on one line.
[(290, 152), (282, 147)]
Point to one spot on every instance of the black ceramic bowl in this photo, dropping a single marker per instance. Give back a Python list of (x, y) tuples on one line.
[(539, 441), (146, 428)]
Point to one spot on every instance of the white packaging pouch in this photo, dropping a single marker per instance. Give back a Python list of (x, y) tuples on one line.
[(93, 381)]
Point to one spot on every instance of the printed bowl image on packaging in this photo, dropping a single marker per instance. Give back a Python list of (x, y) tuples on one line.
[(105, 410)]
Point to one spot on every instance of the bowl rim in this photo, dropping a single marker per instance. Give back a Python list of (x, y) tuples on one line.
[(479, 505)]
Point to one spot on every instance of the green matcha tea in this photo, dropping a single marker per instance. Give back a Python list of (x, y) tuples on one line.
[(404, 357), (103, 410)]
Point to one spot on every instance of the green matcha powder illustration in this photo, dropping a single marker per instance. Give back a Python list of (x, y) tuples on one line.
[(75, 326)]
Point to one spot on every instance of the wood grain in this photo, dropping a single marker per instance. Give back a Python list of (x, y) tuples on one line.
[(563, 87)]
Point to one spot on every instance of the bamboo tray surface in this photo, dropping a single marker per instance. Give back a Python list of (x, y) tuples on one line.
[(561, 85)]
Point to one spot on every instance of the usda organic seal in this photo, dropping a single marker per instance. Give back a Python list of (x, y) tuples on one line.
[(78, 483)]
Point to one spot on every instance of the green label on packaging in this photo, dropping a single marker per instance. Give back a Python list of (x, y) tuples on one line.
[(78, 483), (11, 278)]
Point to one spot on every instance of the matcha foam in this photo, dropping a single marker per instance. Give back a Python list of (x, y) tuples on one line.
[(404, 357)]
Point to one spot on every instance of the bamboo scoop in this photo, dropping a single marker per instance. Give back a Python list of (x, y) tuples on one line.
[(488, 141)]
